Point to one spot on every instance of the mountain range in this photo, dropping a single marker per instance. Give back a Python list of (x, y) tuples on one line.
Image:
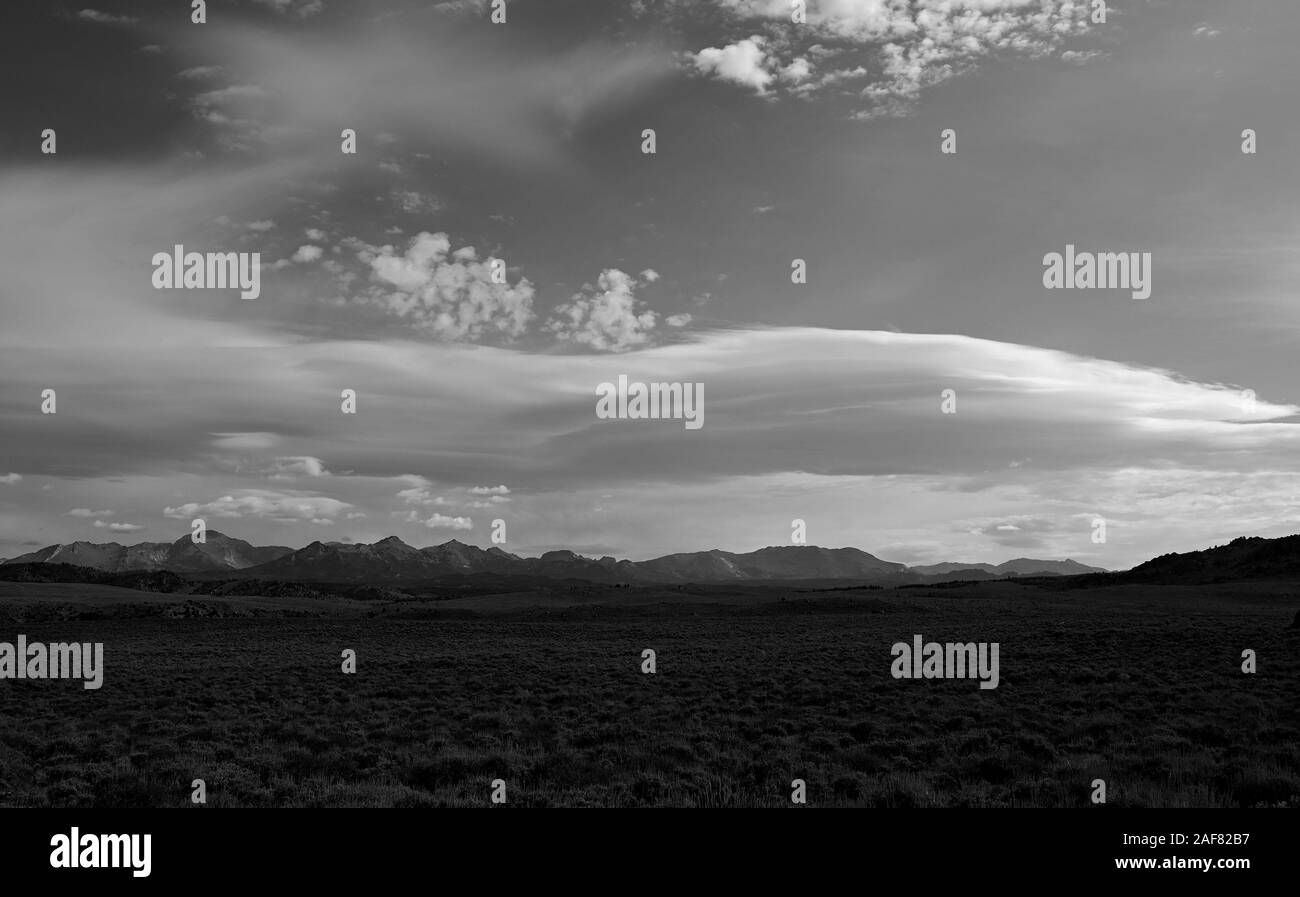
[(1013, 567), (220, 552), (392, 560)]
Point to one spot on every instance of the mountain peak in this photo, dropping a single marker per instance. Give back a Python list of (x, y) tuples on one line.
[(208, 534)]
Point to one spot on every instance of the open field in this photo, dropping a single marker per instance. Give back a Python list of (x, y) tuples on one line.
[(1139, 686)]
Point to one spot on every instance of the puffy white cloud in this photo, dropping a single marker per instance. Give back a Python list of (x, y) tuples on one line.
[(1081, 57), (10, 479), (798, 70), (421, 494), (744, 62), (307, 254), (87, 512), (605, 317), (450, 295), (441, 521), (916, 43)]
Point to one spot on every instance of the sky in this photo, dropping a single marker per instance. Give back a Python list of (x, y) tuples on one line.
[(519, 144)]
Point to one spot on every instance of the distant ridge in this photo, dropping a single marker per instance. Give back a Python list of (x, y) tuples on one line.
[(1244, 558), (219, 552), (1014, 567), (392, 560)]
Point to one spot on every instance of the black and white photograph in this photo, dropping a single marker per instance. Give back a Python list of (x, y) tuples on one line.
[(757, 404)]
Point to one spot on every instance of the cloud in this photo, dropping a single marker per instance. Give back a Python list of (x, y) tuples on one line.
[(244, 442), (770, 394), (263, 504), (413, 202), (910, 45), (86, 512), (1170, 462), (440, 521), (1081, 57), (406, 75), (200, 72), (237, 112), (293, 467), (496, 496), (446, 294), (104, 18), (420, 492), (113, 210), (798, 70), (743, 62), (1020, 532), (308, 254), (10, 479), (605, 317), (119, 527), (301, 9)]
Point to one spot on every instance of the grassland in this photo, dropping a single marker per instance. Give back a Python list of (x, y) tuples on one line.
[(1138, 686)]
